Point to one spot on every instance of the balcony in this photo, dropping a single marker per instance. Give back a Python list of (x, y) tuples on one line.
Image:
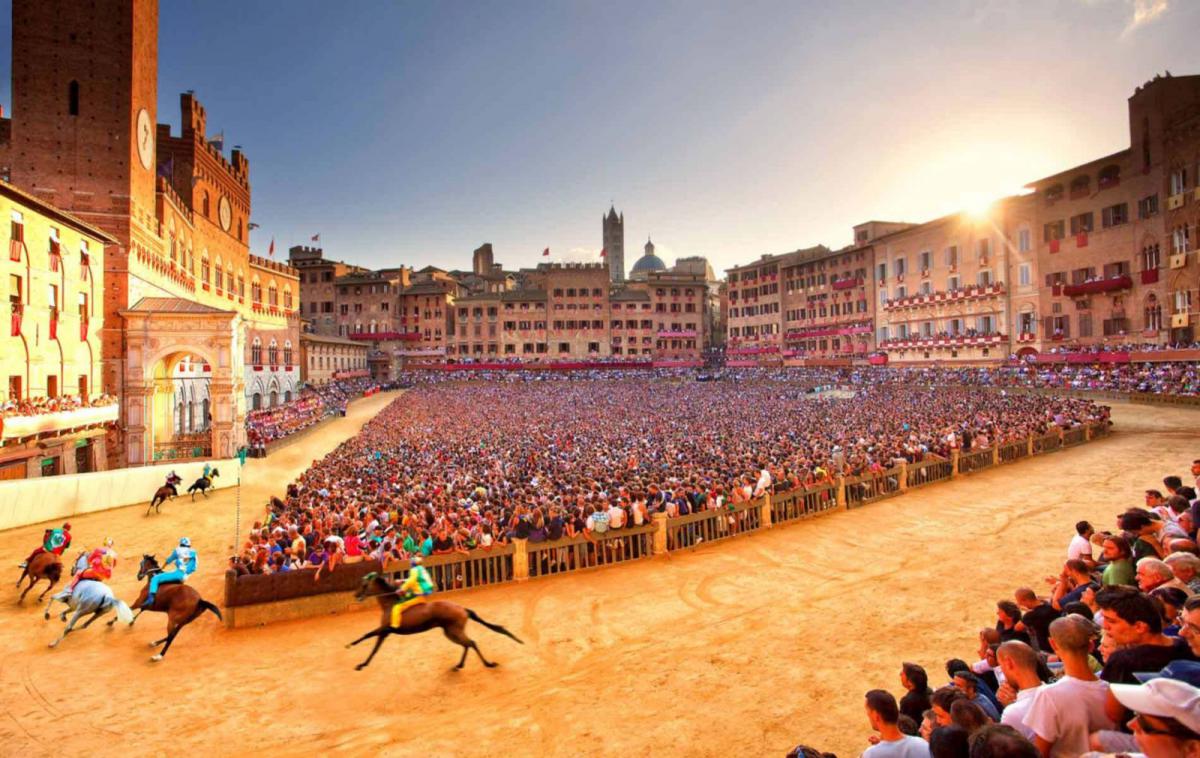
[(1112, 284), (943, 342), (677, 333), (30, 426), (828, 331), (380, 336), (83, 330), (1150, 276), (53, 326), (17, 313), (975, 291), (848, 284)]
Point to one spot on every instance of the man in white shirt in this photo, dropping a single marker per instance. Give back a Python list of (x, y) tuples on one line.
[(1064, 713), (1019, 662), (1081, 544), (884, 715)]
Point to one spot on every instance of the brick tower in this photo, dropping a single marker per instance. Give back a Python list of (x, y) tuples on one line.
[(614, 244)]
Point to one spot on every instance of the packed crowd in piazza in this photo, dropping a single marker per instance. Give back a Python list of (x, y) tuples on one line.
[(459, 463)]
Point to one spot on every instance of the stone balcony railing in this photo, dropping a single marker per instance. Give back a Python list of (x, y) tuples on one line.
[(943, 342), (973, 292)]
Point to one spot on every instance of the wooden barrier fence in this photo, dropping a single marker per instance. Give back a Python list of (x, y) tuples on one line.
[(259, 599)]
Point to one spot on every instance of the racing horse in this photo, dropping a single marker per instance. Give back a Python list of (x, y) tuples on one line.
[(450, 617), (181, 603), (46, 566), (89, 596), (164, 493), (203, 484)]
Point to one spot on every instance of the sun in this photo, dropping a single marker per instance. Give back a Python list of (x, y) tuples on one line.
[(977, 204)]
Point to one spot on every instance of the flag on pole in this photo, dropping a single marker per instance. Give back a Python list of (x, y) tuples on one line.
[(271, 249), (316, 238), (545, 252), (603, 253)]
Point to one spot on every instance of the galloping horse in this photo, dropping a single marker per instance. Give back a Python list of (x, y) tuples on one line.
[(46, 566), (181, 603), (203, 483), (89, 596), (450, 617), (162, 494)]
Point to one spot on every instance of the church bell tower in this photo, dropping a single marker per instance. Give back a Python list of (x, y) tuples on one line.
[(614, 245)]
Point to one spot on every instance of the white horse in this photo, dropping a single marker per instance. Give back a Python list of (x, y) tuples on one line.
[(89, 596)]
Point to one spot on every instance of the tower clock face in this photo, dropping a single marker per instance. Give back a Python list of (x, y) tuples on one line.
[(224, 213), (145, 138)]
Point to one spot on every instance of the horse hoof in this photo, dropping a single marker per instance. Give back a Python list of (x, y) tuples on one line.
[(54, 644), (491, 665), (46, 616), (153, 645), (360, 667), (156, 658)]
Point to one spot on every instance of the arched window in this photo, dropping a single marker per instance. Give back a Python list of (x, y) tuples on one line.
[(272, 294), (1110, 176), (256, 401), (273, 353), (204, 204), (256, 352), (239, 229), (287, 352), (73, 98), (1152, 313), (256, 290), (287, 297), (204, 415), (274, 399), (217, 279), (204, 268)]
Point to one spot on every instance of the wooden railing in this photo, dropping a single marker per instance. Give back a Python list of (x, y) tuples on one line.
[(523, 560), (868, 488), (929, 471), (581, 552)]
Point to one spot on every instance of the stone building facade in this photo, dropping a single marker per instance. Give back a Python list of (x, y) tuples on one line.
[(50, 348), (324, 359)]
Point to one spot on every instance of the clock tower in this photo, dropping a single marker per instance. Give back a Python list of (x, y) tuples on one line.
[(84, 97)]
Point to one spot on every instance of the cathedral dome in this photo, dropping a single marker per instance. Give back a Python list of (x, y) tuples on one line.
[(649, 261)]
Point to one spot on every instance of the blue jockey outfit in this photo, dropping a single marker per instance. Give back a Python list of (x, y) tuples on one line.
[(184, 559)]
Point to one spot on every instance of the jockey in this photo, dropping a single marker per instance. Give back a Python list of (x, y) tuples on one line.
[(207, 470), (101, 563), (184, 559), (414, 590), (173, 479), (53, 541)]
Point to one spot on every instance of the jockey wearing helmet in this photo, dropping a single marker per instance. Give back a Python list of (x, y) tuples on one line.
[(101, 563), (184, 558), (415, 588), (53, 541)]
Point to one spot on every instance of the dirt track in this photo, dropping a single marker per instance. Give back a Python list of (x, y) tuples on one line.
[(742, 648)]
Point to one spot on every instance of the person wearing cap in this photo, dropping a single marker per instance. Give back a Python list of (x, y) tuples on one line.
[(1061, 715), (101, 563), (184, 560), (53, 541), (1167, 720), (414, 589)]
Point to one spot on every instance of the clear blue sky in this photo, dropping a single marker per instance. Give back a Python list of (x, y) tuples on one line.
[(409, 133)]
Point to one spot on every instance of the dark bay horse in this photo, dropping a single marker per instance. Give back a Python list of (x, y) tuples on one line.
[(451, 618), (161, 495), (46, 566), (203, 484), (181, 603)]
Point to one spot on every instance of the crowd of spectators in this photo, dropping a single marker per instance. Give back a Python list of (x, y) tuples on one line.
[(462, 463), (36, 406), (1104, 660), (313, 405)]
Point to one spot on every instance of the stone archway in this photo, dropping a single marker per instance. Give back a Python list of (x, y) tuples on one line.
[(159, 334)]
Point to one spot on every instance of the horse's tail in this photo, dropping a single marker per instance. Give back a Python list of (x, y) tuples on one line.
[(204, 605), (494, 627)]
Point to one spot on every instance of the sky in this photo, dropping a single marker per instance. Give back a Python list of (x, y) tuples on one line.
[(408, 133)]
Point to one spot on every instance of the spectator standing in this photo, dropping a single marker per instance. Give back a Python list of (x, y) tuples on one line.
[(1063, 714), (883, 714)]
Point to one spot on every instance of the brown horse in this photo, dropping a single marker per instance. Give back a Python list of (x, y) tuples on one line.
[(181, 603), (162, 495), (450, 617), (46, 566)]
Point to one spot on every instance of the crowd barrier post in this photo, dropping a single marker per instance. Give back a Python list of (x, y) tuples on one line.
[(996, 453), (903, 475), (1087, 432), (1029, 442), (659, 547), (841, 492), (764, 517), (520, 560), (954, 456)]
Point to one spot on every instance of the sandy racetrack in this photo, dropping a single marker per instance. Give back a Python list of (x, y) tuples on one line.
[(741, 648)]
